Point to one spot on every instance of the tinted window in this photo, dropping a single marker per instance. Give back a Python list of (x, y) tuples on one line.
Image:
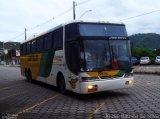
[(71, 32), (96, 55), (28, 47), (54, 41), (102, 30), (40, 44), (33, 45), (73, 56), (120, 51), (144, 58), (23, 49), (58, 39), (47, 42)]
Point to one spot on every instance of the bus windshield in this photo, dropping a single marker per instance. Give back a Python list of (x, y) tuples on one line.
[(102, 30), (120, 50), (99, 54), (96, 55)]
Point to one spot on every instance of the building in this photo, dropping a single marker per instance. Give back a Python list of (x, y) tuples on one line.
[(10, 52)]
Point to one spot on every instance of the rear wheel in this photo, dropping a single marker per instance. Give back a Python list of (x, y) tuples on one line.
[(29, 76)]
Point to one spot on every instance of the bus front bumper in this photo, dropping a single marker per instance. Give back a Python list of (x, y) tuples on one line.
[(104, 85)]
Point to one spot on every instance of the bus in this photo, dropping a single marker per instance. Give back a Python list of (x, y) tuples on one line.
[(80, 56)]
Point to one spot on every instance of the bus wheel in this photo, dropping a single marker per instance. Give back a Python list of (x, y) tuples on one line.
[(29, 76), (61, 84)]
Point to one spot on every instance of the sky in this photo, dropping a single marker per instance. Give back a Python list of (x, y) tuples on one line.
[(38, 16)]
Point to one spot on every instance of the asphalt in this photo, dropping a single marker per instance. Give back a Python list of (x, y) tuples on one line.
[(20, 99)]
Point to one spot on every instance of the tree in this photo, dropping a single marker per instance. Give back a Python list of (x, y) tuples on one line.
[(157, 52), (141, 52)]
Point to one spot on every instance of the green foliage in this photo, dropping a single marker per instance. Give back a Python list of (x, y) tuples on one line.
[(157, 52), (142, 52), (145, 45)]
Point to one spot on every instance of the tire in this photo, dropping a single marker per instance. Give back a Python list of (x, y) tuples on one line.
[(61, 84), (29, 76)]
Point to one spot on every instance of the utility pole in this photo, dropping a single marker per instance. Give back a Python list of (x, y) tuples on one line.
[(25, 33), (74, 14)]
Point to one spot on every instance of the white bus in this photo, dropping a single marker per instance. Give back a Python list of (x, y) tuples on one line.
[(80, 56)]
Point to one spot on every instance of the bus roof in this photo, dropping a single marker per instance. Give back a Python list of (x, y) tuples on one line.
[(70, 22), (92, 21)]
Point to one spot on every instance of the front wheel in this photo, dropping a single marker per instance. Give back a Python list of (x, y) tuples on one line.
[(61, 85)]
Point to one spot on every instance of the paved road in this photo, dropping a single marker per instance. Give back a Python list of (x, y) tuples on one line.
[(20, 99)]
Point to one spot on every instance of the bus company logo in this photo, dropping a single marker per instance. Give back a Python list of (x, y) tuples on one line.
[(103, 73), (73, 83), (33, 58), (119, 38), (58, 59)]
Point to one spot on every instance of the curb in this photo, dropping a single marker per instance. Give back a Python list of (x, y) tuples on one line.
[(146, 70), (11, 65)]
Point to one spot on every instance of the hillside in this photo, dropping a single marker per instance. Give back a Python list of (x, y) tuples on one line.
[(149, 40)]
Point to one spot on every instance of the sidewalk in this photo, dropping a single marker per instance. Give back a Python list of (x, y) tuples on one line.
[(146, 69), (14, 65)]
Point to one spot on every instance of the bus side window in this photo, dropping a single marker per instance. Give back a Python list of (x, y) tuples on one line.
[(73, 57), (40, 44), (50, 41), (53, 41), (23, 49), (33, 45), (47, 42), (58, 39), (28, 47)]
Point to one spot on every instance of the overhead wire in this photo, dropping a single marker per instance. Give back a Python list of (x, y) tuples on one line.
[(16, 36), (40, 24), (59, 15), (83, 2), (140, 15)]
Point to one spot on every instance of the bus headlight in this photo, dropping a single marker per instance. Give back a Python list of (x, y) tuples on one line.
[(130, 82), (92, 88)]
